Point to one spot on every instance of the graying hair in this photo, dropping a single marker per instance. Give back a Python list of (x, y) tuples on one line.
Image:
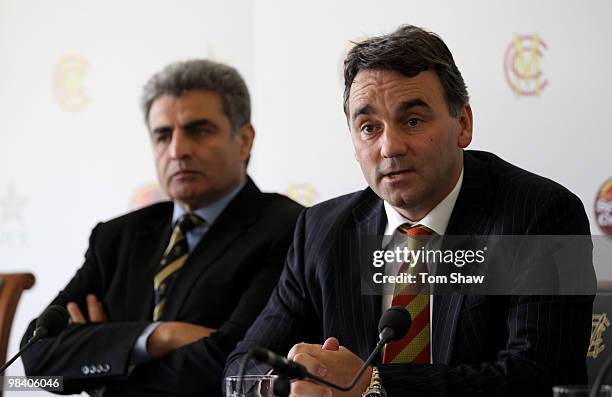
[(201, 74)]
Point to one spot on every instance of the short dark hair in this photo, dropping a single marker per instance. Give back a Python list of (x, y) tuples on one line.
[(200, 74), (409, 50)]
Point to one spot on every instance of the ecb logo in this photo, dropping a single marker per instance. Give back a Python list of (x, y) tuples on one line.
[(303, 193), (522, 65), (69, 83), (603, 207)]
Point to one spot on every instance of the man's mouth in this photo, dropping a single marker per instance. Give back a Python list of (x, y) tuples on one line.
[(397, 173), (183, 174)]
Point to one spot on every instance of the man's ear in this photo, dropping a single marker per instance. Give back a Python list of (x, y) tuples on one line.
[(246, 136), (465, 122)]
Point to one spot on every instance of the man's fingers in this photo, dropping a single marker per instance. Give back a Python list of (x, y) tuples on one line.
[(95, 310), (313, 365), (331, 344), (76, 317), (302, 348), (309, 389)]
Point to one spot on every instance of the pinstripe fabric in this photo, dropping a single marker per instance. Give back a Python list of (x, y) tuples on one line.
[(481, 345)]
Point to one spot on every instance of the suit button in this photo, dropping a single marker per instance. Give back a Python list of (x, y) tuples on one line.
[(85, 370), (107, 367), (99, 369), (92, 369)]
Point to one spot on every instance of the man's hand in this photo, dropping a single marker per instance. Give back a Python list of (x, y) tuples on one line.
[(169, 336), (95, 311), (332, 362)]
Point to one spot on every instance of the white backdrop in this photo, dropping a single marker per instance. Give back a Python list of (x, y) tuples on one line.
[(75, 149)]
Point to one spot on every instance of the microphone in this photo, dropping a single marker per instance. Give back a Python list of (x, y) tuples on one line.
[(280, 363), (51, 322), (393, 325)]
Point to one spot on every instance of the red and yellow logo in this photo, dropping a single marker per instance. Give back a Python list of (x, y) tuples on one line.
[(522, 65), (303, 193), (147, 195), (69, 83), (603, 207)]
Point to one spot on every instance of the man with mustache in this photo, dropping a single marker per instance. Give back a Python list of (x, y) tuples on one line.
[(410, 119), (166, 291)]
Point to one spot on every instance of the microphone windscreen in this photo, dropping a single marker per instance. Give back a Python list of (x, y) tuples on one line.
[(397, 319), (54, 319)]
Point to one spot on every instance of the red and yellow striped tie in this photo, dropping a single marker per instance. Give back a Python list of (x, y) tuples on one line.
[(415, 347)]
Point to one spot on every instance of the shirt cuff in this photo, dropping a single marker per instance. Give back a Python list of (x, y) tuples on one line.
[(139, 352)]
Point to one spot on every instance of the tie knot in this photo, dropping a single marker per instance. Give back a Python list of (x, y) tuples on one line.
[(188, 222), (414, 231)]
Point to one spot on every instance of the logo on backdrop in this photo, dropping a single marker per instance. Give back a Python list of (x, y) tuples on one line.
[(603, 207), (303, 193), (146, 195), (13, 230), (522, 65), (69, 83)]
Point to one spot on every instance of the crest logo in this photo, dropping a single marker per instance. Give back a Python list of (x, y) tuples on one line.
[(598, 327), (522, 66), (303, 193), (603, 207), (147, 195), (69, 83), (13, 231)]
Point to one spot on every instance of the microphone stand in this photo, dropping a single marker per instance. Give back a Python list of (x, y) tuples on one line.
[(283, 380), (355, 380), (38, 334)]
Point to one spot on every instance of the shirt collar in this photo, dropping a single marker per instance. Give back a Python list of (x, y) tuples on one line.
[(209, 212), (436, 219)]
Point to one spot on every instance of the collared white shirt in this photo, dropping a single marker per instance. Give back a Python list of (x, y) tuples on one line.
[(436, 219)]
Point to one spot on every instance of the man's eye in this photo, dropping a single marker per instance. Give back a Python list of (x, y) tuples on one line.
[(201, 131), (368, 128), (413, 122), (159, 138)]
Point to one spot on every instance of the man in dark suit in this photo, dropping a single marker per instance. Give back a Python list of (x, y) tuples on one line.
[(409, 116), (167, 291)]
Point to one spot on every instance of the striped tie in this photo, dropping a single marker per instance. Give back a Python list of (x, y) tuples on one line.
[(415, 347), (174, 257)]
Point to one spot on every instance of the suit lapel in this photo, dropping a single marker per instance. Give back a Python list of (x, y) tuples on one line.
[(148, 246), (470, 216), (359, 312), (241, 212)]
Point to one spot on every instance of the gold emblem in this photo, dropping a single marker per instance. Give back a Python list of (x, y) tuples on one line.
[(69, 83), (522, 65), (11, 207), (303, 193), (598, 327)]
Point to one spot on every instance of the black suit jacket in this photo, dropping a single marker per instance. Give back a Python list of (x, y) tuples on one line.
[(481, 345), (224, 284)]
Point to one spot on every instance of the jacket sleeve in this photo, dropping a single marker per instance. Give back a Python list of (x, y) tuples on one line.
[(83, 353)]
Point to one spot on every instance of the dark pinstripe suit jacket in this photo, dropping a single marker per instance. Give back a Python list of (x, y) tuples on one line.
[(482, 345)]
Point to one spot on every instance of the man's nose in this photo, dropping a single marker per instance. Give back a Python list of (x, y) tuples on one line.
[(179, 145), (393, 142)]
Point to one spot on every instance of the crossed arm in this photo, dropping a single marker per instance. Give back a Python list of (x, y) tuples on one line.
[(166, 337)]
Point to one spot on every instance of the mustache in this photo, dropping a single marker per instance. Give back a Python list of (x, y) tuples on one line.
[(393, 164), (176, 167)]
